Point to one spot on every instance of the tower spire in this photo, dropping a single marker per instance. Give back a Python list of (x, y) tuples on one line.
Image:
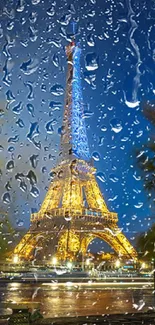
[(74, 142)]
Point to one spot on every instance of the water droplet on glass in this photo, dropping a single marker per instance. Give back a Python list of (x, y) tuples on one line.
[(113, 178), (65, 19), (96, 156), (9, 96), (30, 108), (103, 128), (18, 108), (90, 40), (30, 66), (34, 160), (20, 123), (101, 176), (49, 127), (32, 177), (6, 198), (20, 223), (56, 60), (34, 191), (55, 106), (57, 90), (51, 11), (23, 186), (10, 165), (116, 125), (30, 95), (20, 6), (138, 205), (91, 61), (35, 2), (33, 133), (14, 139)]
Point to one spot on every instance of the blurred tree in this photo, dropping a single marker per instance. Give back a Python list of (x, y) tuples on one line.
[(146, 163), (146, 155), (146, 244)]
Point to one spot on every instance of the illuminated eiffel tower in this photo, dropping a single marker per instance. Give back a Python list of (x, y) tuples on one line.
[(73, 212)]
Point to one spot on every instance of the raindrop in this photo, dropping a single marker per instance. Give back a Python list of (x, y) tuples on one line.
[(10, 96), (55, 106), (14, 139), (56, 60), (34, 132), (23, 186), (96, 156), (64, 20), (132, 104), (113, 198), (30, 108), (34, 161), (32, 177), (88, 114), (116, 125), (11, 149), (30, 66), (33, 17), (91, 61), (10, 25), (10, 165), (30, 95), (34, 191), (103, 128), (8, 186), (20, 123), (18, 108), (51, 11), (138, 205), (20, 223), (33, 37), (6, 198), (57, 90), (49, 127), (35, 2), (20, 6), (90, 40), (101, 176), (113, 178)]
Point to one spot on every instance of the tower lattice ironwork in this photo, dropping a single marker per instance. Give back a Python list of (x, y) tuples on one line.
[(73, 212)]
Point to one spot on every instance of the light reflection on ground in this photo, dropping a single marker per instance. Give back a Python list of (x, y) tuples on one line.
[(73, 299)]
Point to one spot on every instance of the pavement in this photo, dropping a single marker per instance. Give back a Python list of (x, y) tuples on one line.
[(116, 319), (147, 318)]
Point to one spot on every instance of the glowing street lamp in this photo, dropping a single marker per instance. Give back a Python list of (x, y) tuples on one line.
[(15, 259), (87, 261), (117, 263), (54, 260), (69, 265)]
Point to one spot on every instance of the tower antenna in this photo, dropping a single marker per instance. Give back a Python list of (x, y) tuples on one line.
[(74, 24)]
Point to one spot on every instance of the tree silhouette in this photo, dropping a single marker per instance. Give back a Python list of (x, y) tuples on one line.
[(146, 163)]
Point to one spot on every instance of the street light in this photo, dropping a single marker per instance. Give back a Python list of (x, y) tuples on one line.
[(69, 265), (15, 259), (54, 260), (117, 263), (87, 261)]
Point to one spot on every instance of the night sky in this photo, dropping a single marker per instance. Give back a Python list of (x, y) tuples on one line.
[(117, 68)]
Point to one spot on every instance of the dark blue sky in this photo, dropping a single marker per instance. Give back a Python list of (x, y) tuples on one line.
[(117, 66)]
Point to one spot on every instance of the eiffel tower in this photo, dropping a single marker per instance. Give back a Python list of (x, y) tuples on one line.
[(73, 212)]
